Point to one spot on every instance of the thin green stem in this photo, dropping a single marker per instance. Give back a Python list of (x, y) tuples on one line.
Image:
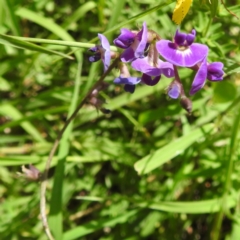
[(228, 182), (59, 42), (55, 146)]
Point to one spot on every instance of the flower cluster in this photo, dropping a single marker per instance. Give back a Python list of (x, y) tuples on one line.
[(153, 57)]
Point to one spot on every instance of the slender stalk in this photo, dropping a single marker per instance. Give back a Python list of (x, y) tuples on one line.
[(229, 10), (59, 42), (228, 182), (177, 78), (55, 146)]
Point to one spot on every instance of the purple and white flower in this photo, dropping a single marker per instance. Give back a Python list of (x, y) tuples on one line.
[(144, 65), (101, 52), (182, 52), (125, 78), (152, 66), (134, 43)]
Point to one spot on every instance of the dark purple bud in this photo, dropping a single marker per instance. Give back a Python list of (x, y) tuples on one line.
[(129, 88), (148, 80), (95, 57)]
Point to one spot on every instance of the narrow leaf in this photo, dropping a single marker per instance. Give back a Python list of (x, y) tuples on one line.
[(29, 46), (171, 150), (98, 224), (191, 207)]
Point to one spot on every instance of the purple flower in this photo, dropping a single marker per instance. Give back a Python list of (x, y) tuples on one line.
[(145, 66), (125, 39), (129, 82), (133, 43), (174, 90), (31, 173), (182, 52), (101, 52), (213, 72), (152, 66), (125, 78)]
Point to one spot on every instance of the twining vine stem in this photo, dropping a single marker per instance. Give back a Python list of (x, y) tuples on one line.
[(55, 146)]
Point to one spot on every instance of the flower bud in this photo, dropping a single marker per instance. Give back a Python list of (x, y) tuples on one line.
[(30, 173), (174, 90)]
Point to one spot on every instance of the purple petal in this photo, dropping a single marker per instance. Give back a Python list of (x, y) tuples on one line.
[(180, 38), (142, 65), (127, 55), (183, 58), (149, 81), (104, 42), (120, 44), (106, 60), (142, 38), (129, 88), (215, 72), (174, 90), (191, 37), (125, 39), (167, 69), (129, 80), (200, 78)]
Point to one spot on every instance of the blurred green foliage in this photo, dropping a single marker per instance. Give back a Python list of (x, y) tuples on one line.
[(147, 171)]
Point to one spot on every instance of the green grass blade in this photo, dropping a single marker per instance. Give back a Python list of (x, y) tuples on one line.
[(12, 19), (13, 113), (44, 22), (29, 46), (138, 16), (56, 218), (79, 13), (191, 207), (171, 150), (47, 24), (92, 226)]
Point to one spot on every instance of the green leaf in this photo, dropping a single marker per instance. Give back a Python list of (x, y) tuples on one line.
[(5, 39), (4, 85), (79, 13), (191, 207), (98, 224), (13, 113), (224, 91), (56, 215), (171, 150), (46, 23), (214, 7), (138, 16)]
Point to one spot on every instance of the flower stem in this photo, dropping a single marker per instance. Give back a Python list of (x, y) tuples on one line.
[(177, 78), (55, 146)]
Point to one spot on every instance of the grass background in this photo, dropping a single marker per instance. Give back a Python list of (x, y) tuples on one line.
[(148, 170)]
